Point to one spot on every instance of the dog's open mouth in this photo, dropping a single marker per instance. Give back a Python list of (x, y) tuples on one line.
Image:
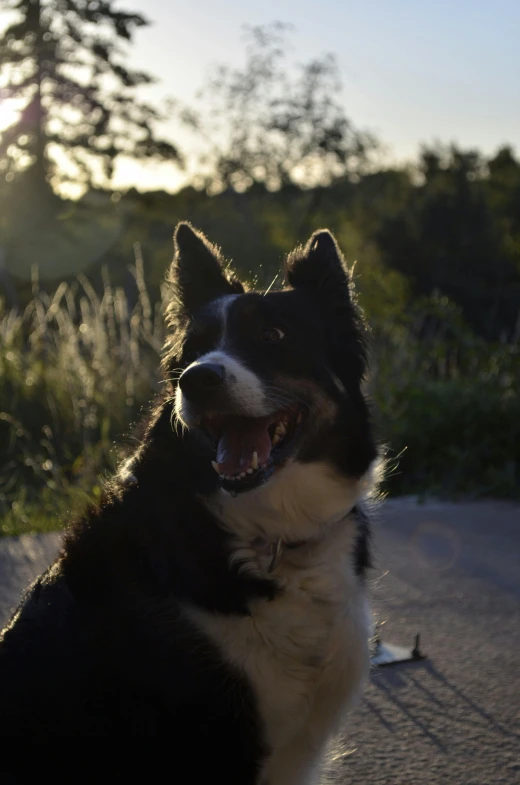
[(249, 449)]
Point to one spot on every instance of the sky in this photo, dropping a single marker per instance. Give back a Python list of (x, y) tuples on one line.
[(413, 71)]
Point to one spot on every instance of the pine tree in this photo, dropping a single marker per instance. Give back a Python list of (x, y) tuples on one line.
[(63, 62)]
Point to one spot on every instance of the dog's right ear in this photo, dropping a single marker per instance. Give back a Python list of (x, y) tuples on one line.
[(197, 274)]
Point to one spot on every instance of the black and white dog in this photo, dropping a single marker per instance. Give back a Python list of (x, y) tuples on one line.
[(215, 602)]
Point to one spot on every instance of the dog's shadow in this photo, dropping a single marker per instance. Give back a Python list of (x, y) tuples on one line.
[(419, 694)]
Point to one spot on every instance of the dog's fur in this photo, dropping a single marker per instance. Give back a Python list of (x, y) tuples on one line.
[(226, 619)]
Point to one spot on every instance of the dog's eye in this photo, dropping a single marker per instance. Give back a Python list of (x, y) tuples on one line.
[(272, 334)]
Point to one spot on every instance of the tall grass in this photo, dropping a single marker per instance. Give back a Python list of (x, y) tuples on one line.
[(76, 367)]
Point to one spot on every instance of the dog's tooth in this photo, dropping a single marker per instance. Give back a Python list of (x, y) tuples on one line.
[(216, 466), (281, 428), (299, 418), (241, 476), (254, 460), (275, 439), (250, 471)]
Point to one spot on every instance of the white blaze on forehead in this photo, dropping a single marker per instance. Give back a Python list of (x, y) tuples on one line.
[(243, 386), (221, 307)]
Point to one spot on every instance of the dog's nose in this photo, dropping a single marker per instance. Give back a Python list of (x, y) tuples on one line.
[(200, 382)]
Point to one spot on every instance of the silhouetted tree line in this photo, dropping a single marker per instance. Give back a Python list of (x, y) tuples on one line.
[(451, 228)]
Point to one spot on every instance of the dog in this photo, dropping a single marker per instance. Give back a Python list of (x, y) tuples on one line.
[(215, 602)]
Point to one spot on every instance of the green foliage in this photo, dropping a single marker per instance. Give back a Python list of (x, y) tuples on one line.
[(51, 510), (76, 368), (452, 438), (458, 231), (448, 407)]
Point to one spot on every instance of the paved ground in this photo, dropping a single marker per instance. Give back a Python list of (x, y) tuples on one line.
[(451, 572), (21, 560)]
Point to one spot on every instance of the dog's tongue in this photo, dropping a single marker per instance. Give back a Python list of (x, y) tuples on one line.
[(241, 437)]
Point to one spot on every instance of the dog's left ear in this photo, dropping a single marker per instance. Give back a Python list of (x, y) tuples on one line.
[(197, 274), (319, 266)]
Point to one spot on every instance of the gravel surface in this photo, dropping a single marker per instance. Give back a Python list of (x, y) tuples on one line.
[(452, 573)]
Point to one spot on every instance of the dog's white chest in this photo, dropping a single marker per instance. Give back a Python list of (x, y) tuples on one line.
[(305, 653)]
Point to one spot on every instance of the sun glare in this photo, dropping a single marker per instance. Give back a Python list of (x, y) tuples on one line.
[(9, 112)]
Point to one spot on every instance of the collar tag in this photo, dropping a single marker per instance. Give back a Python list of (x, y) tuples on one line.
[(276, 552)]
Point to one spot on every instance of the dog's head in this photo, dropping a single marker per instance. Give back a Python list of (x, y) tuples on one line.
[(267, 380)]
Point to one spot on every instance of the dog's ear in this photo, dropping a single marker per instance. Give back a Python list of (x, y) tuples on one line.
[(318, 266), (318, 269), (197, 273)]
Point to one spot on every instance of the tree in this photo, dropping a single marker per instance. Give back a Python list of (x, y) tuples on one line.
[(62, 62), (446, 238), (265, 123)]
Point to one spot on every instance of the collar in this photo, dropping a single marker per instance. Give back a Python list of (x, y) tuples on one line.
[(275, 549)]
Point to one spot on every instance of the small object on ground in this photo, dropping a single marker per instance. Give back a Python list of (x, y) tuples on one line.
[(391, 654)]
